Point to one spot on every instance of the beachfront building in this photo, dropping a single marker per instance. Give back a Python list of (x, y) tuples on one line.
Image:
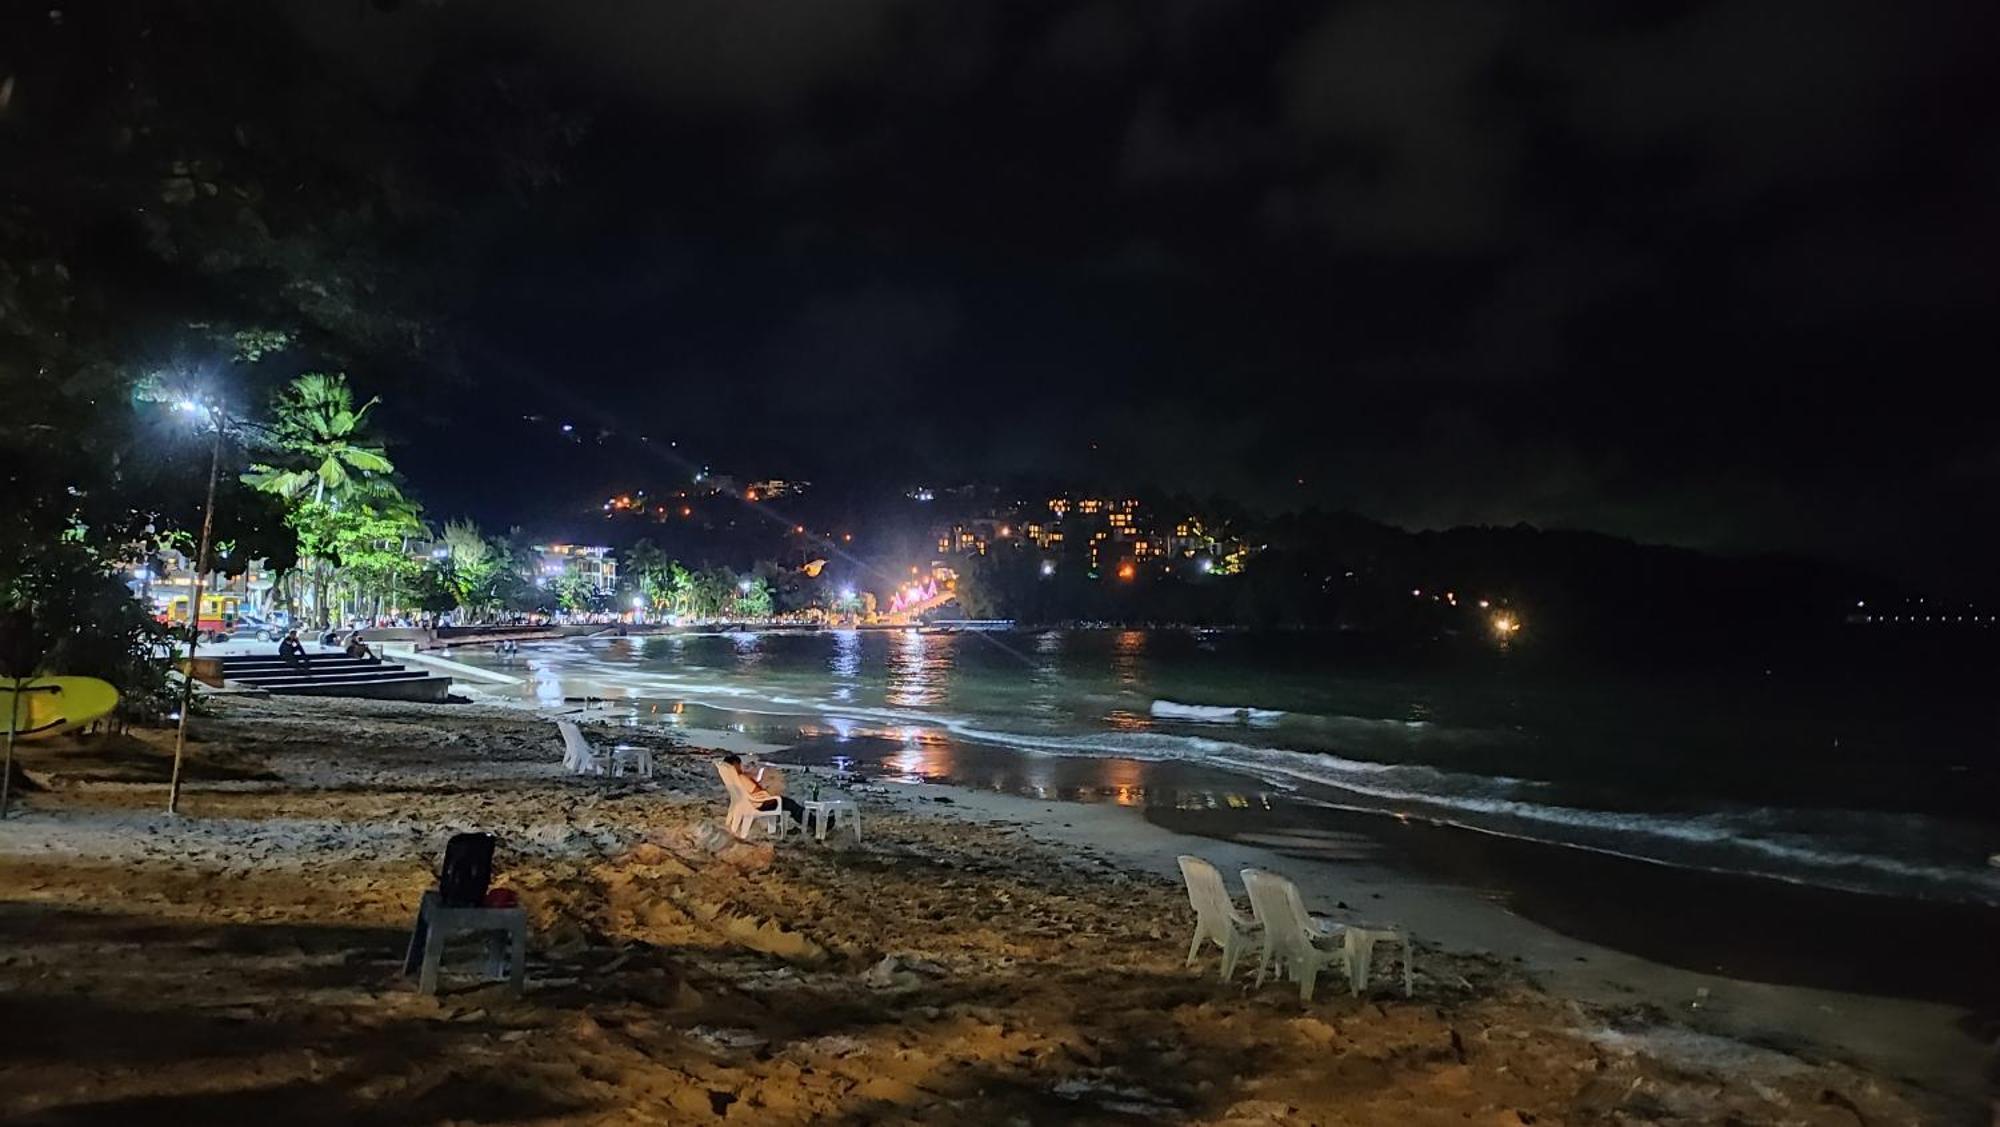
[(973, 536), (169, 575), (594, 562)]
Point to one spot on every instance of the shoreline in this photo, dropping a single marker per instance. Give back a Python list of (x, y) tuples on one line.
[(1918, 1040), (983, 959)]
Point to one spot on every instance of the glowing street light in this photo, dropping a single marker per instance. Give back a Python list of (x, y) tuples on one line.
[(1048, 568), (638, 602)]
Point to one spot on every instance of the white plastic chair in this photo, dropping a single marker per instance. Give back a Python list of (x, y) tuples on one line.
[(743, 813), (1216, 919), (1293, 940), (579, 758)]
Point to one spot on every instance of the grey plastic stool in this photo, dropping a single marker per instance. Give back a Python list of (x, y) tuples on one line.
[(437, 924)]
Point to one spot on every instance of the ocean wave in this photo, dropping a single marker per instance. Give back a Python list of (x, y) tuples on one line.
[(1780, 843), (1215, 713)]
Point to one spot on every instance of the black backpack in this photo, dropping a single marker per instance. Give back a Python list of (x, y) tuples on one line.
[(467, 870)]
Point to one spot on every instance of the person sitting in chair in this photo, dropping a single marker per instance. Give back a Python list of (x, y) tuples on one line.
[(761, 798), (358, 649)]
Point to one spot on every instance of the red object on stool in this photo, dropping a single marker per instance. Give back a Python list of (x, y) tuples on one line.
[(502, 898)]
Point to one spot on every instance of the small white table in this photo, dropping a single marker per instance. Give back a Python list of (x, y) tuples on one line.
[(1360, 941), (838, 811), (639, 759)]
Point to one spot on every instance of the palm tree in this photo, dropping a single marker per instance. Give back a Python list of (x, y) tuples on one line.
[(328, 457), (680, 585), (646, 565), (472, 566), (316, 423)]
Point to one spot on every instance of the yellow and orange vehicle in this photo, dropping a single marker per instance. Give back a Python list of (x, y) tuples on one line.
[(218, 614)]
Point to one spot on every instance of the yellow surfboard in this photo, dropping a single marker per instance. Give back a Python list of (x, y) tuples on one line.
[(55, 704)]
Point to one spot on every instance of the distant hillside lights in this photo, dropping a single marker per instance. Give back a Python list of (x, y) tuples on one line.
[(1114, 531), (772, 488), (1919, 611)]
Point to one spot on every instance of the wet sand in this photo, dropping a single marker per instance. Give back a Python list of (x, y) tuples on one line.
[(990, 959)]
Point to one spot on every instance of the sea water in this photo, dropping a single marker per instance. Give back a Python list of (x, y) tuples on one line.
[(1855, 770)]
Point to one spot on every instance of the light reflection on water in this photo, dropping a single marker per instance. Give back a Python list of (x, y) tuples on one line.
[(919, 670), (749, 651), (1128, 658), (917, 753), (844, 664), (548, 686), (1046, 676)]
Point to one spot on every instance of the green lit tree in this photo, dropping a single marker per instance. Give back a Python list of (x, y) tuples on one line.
[(322, 444), (575, 593), (680, 589), (473, 571), (646, 567), (333, 476), (754, 598)]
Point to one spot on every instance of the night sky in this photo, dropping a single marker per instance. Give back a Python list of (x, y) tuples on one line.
[(1712, 274)]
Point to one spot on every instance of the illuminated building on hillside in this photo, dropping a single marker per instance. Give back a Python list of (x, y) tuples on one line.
[(772, 488), (593, 562), (1114, 532)]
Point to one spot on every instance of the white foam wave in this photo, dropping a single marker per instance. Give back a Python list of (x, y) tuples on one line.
[(1215, 713)]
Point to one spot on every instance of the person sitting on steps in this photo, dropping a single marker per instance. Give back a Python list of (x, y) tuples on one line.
[(294, 653)]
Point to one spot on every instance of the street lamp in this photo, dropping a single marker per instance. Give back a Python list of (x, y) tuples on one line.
[(211, 413)]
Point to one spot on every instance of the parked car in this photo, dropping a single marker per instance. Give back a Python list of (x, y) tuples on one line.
[(262, 629)]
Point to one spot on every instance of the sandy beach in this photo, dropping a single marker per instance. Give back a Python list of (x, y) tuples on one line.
[(976, 958)]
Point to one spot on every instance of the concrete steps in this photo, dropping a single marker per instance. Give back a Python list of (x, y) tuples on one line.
[(330, 673)]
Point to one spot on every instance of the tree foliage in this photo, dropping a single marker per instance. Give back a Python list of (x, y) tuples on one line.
[(351, 520), (320, 440)]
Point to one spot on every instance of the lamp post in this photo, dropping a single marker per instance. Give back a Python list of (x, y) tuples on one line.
[(214, 415)]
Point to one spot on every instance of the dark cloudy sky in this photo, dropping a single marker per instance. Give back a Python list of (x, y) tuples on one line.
[(1718, 274)]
